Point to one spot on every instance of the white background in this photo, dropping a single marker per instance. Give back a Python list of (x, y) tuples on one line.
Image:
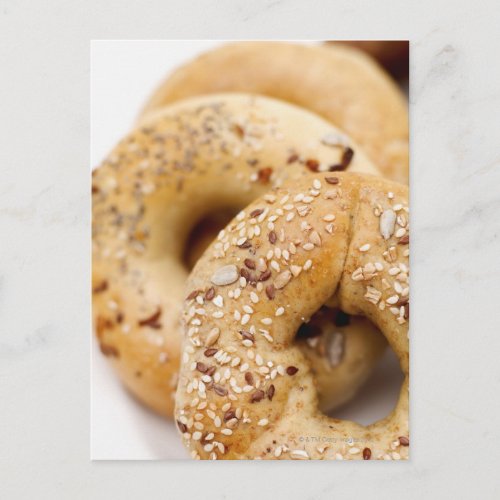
[(123, 74), (45, 249)]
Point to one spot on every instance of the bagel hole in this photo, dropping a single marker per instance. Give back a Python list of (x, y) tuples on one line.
[(378, 395), (203, 233), (343, 346)]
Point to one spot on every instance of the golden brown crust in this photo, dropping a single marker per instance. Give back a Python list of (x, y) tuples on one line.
[(245, 396), (392, 54), (196, 156), (337, 82)]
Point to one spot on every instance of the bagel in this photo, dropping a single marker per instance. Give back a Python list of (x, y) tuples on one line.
[(392, 54), (242, 396), (190, 159), (340, 83), (338, 346)]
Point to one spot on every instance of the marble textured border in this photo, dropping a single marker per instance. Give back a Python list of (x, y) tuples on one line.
[(45, 257)]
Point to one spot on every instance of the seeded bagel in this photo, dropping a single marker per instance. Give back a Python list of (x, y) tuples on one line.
[(340, 83), (201, 155), (242, 395), (332, 341)]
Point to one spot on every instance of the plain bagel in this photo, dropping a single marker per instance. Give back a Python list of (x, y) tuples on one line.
[(340, 83)]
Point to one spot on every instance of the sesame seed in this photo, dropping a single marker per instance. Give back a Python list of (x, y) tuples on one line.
[(291, 370), (299, 455), (218, 301), (400, 232), (315, 238), (372, 295), (275, 266), (280, 311), (392, 300), (365, 247), (263, 422)]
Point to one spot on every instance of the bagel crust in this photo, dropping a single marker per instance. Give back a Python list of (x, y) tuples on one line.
[(200, 155), (340, 83), (242, 395)]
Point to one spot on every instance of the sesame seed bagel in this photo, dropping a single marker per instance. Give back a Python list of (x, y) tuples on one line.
[(341, 348), (201, 155), (340, 83), (243, 395)]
